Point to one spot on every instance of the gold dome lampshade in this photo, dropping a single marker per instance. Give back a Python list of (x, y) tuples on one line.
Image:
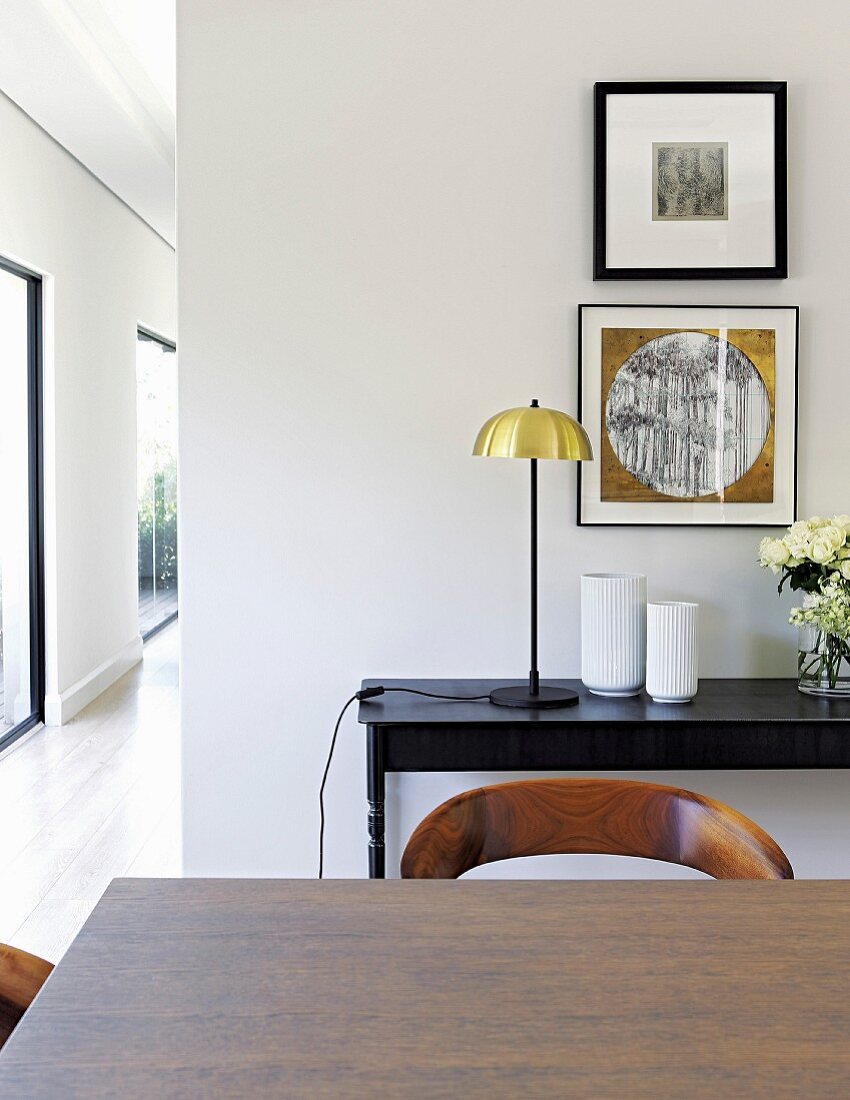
[(533, 433)]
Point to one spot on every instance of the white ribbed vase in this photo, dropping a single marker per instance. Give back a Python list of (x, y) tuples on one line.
[(672, 652), (613, 632)]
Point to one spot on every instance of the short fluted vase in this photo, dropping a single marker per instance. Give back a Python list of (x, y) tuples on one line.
[(613, 633), (672, 652)]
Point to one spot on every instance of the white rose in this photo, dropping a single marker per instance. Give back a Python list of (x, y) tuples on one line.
[(821, 550), (832, 534), (818, 521), (798, 538), (845, 569), (774, 553), (844, 523)]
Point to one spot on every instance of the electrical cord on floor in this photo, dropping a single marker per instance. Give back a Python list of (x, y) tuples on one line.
[(371, 693)]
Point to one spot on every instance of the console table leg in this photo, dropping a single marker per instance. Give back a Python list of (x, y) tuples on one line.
[(375, 793)]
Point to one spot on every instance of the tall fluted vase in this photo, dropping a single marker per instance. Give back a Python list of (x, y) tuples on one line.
[(613, 633)]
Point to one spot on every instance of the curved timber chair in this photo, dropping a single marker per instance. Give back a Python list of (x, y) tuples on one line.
[(601, 816), (21, 977)]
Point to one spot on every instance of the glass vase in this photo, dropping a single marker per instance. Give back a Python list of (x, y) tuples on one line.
[(823, 663)]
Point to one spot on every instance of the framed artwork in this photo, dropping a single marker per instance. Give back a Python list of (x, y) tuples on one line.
[(690, 180), (692, 413)]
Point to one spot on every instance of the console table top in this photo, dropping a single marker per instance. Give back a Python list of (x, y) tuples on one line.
[(718, 701)]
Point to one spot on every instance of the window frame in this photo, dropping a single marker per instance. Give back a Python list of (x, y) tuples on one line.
[(35, 430)]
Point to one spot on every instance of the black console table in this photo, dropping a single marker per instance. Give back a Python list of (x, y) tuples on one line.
[(731, 725)]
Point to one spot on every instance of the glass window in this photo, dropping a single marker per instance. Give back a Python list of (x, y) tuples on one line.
[(20, 672), (156, 373)]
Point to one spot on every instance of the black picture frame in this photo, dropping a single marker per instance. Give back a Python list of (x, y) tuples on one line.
[(580, 521), (779, 90)]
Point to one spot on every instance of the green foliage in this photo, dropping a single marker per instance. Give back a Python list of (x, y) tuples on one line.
[(802, 578), (158, 517)]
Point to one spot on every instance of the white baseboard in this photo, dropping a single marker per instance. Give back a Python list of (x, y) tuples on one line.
[(61, 708)]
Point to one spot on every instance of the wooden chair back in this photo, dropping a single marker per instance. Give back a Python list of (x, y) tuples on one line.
[(602, 816), (21, 977)]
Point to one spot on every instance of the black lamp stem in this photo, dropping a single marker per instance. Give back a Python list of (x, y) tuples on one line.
[(534, 675), (536, 697)]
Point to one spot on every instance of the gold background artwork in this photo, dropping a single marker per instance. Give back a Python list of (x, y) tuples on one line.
[(756, 485)]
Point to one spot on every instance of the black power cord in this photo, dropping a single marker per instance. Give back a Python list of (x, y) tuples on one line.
[(372, 693)]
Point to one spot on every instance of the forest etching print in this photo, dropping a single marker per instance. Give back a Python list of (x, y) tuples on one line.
[(687, 415), (690, 181)]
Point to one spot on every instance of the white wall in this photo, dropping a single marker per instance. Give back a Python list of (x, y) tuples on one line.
[(104, 272), (85, 71), (385, 226)]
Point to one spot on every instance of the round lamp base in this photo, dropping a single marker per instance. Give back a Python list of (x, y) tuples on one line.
[(518, 695)]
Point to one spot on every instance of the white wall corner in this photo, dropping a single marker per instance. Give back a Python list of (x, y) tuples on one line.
[(61, 708)]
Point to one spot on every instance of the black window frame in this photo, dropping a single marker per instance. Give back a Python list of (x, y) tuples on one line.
[(35, 422)]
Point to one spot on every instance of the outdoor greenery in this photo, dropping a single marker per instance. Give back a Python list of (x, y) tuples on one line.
[(157, 466), (158, 517)]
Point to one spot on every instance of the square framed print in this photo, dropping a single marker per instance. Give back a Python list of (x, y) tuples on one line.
[(690, 180), (692, 414)]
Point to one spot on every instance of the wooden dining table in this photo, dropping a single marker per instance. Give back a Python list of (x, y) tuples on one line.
[(288, 988)]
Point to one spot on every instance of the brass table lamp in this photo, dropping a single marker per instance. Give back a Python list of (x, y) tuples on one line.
[(533, 433)]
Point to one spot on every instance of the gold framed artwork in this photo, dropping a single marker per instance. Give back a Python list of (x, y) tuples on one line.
[(692, 414)]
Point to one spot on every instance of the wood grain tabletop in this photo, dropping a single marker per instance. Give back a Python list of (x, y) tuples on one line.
[(277, 988)]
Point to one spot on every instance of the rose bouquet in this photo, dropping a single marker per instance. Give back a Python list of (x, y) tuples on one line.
[(814, 557)]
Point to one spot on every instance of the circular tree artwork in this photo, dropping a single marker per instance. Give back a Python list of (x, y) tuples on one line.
[(687, 414)]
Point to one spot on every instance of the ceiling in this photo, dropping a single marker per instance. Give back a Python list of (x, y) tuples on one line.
[(99, 77)]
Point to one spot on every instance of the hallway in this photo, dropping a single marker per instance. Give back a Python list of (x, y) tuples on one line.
[(83, 803)]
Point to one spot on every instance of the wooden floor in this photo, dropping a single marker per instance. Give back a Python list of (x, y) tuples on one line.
[(153, 609), (85, 802)]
